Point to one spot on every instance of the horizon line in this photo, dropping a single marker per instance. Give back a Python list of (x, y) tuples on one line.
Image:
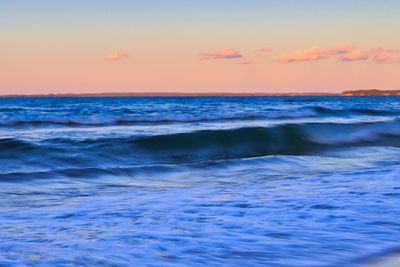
[(168, 94), (155, 94)]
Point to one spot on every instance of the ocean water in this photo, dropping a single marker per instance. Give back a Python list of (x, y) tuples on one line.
[(198, 181)]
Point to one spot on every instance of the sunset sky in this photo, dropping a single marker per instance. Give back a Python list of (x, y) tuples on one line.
[(91, 46)]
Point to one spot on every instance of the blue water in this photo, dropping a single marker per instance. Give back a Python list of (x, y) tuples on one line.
[(198, 181)]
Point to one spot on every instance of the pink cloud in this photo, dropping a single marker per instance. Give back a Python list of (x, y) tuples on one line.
[(378, 55), (355, 56), (116, 56), (345, 53), (226, 53), (313, 53), (382, 55)]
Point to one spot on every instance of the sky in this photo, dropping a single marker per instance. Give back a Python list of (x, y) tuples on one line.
[(240, 46)]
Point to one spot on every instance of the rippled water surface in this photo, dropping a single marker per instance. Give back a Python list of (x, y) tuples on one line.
[(198, 181)]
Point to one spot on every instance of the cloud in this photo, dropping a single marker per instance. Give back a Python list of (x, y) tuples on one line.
[(378, 55), (355, 56), (345, 53), (382, 55), (116, 56), (314, 53), (226, 53)]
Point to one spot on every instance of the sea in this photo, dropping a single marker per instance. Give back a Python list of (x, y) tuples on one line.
[(199, 181)]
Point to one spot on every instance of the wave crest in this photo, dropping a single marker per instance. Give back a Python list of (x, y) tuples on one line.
[(288, 139)]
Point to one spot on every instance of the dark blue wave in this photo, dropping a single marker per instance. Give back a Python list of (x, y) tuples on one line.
[(288, 139)]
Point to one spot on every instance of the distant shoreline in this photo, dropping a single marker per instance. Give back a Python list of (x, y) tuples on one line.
[(371, 92)]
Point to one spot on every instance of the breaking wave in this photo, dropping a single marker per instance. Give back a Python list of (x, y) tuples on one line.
[(205, 145)]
